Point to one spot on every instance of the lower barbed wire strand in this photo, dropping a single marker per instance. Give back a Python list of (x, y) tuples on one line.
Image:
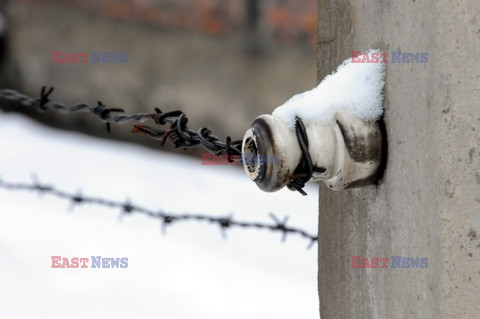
[(167, 218)]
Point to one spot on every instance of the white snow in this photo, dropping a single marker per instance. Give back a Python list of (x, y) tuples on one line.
[(354, 87), (189, 273)]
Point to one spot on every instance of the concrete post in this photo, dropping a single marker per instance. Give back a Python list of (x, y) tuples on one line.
[(428, 202)]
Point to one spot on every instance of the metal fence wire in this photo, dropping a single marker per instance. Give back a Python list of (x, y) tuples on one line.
[(167, 219), (178, 132)]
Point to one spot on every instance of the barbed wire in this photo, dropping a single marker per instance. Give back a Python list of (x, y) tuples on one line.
[(178, 132), (167, 219)]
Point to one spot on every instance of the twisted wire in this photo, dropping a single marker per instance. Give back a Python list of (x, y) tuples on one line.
[(167, 219), (305, 169), (178, 132)]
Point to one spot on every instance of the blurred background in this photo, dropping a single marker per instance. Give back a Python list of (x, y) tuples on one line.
[(222, 62)]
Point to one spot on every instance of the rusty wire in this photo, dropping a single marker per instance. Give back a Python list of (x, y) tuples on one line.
[(167, 219), (178, 132), (304, 171)]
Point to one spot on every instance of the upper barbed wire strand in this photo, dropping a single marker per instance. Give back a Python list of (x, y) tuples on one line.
[(178, 132)]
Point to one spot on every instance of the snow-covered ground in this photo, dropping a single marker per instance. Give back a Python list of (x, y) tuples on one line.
[(189, 273)]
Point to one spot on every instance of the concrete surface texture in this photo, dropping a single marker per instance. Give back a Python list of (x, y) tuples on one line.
[(428, 203)]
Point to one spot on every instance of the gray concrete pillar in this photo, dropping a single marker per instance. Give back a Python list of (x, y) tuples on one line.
[(428, 202)]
